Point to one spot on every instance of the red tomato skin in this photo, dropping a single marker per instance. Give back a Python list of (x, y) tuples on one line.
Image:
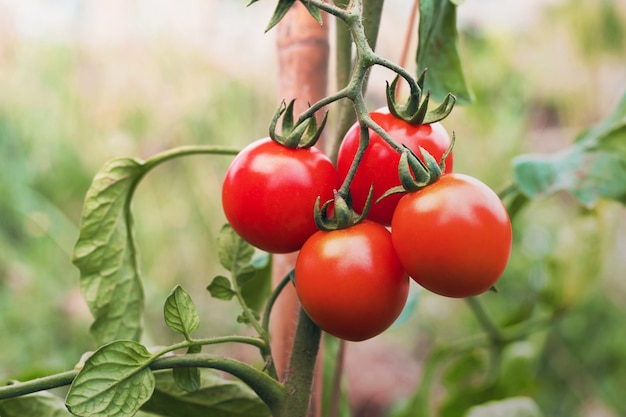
[(380, 161), (453, 237), (350, 281), (269, 194)]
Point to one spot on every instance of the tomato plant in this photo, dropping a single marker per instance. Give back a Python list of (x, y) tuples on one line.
[(350, 281), (269, 192), (379, 165), (450, 232), (453, 237)]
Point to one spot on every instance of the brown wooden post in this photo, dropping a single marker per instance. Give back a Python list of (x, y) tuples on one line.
[(303, 75)]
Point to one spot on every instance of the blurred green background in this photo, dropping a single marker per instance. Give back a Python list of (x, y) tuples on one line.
[(76, 91)]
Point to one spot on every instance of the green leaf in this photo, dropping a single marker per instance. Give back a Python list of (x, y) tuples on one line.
[(106, 254), (245, 274), (281, 10), (593, 167), (217, 397), (220, 288), (510, 407), (188, 379), (464, 370), (234, 252), (314, 12), (256, 291), (438, 51), (114, 382), (180, 312), (41, 404)]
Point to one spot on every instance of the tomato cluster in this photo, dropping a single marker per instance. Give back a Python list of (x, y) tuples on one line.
[(453, 237)]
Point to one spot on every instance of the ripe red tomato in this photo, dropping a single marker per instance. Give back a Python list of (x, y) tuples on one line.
[(453, 237), (350, 281), (380, 162), (269, 194)]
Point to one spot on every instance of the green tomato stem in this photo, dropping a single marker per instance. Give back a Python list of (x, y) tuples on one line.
[(17, 389), (267, 388), (299, 376), (272, 300), (493, 332), (65, 378), (354, 90), (187, 151)]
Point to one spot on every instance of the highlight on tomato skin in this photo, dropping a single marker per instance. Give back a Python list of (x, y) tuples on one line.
[(453, 237), (350, 281), (269, 193), (380, 162)]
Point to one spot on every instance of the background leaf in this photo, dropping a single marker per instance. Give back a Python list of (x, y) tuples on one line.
[(510, 407), (180, 312), (281, 10), (41, 404), (188, 379), (234, 252), (221, 289), (106, 255), (114, 382), (438, 51), (217, 397), (594, 167), (257, 290)]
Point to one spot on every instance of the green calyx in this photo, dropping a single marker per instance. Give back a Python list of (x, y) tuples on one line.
[(416, 111), (416, 173), (295, 134), (343, 216)]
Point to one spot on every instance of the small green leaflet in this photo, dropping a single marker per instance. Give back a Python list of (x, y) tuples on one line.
[(257, 290), (594, 167), (106, 254), (509, 407), (234, 253), (221, 289), (114, 382), (252, 276), (188, 379), (182, 316), (438, 51), (216, 397), (180, 312), (41, 404)]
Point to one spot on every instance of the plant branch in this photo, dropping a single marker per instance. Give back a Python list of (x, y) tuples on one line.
[(16, 389), (187, 150), (299, 376), (65, 378), (493, 332), (267, 388), (270, 302)]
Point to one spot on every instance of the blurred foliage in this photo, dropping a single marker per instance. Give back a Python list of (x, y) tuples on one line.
[(66, 108), (561, 300)]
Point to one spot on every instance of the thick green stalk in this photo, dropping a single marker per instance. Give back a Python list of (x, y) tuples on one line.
[(493, 332), (267, 388), (299, 377), (65, 378)]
